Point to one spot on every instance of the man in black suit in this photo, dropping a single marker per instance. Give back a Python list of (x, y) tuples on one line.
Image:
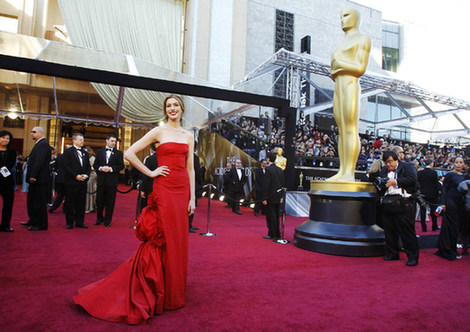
[(59, 186), (237, 180), (429, 186), (198, 186), (227, 186), (108, 163), (39, 178), (273, 182), (403, 181), (146, 184), (259, 187), (76, 165)]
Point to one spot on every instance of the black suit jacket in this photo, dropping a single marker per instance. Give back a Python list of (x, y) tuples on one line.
[(72, 166), (116, 162), (259, 179), (198, 175), (236, 184), (227, 182), (146, 185), (38, 163), (58, 167), (406, 177), (9, 162), (428, 183), (274, 180)]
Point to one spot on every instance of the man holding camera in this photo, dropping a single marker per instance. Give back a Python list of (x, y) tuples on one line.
[(429, 184), (401, 182)]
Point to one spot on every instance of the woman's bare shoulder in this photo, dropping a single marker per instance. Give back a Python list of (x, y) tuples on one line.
[(155, 133), (189, 135)]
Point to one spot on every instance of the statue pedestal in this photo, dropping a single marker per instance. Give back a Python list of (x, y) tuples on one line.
[(342, 220)]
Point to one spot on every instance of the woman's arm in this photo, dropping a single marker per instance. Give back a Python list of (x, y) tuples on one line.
[(445, 188), (140, 145)]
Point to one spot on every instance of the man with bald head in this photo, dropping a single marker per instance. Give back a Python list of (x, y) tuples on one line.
[(39, 178), (400, 152)]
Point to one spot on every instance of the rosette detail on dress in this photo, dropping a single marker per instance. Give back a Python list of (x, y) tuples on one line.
[(149, 225)]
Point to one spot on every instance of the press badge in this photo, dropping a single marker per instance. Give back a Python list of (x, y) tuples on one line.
[(5, 172)]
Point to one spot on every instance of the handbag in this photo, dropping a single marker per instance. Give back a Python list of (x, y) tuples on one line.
[(393, 204)]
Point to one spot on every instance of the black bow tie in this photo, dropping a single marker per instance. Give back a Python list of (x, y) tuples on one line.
[(108, 149)]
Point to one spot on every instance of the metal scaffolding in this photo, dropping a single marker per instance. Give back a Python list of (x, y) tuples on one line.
[(297, 65)]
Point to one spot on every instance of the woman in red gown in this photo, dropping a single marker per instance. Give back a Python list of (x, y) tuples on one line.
[(154, 279)]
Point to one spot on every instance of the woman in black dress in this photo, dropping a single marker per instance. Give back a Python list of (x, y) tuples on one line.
[(453, 207), (7, 183)]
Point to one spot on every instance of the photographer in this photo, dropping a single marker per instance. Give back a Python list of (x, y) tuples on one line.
[(429, 185), (397, 182)]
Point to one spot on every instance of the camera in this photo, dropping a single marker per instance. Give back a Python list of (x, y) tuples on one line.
[(380, 183), (422, 203), (418, 196)]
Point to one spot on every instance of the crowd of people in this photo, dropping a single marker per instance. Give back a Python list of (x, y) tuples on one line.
[(254, 135), (405, 190), (82, 181)]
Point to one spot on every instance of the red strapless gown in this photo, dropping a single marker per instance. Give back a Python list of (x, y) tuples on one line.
[(154, 278)]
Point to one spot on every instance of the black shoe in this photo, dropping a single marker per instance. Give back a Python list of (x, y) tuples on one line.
[(107, 225), (237, 212), (8, 230), (195, 228), (436, 228), (51, 210), (81, 226), (256, 213), (36, 228), (97, 222), (267, 237), (26, 223), (227, 206), (391, 257), (69, 227), (191, 230), (412, 262)]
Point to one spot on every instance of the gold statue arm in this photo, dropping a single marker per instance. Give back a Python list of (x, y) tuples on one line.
[(357, 69)]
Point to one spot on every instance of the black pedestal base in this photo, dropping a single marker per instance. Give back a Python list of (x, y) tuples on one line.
[(341, 223)]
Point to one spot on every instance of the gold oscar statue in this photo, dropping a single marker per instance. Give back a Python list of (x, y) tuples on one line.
[(280, 161), (348, 64)]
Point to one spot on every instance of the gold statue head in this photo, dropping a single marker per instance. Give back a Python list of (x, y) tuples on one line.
[(279, 151), (349, 19)]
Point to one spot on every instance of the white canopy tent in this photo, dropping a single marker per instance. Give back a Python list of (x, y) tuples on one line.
[(428, 115)]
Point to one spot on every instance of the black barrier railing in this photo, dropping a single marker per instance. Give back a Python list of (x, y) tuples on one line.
[(328, 162), (283, 191)]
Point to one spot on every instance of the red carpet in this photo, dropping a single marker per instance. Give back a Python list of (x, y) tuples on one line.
[(237, 280)]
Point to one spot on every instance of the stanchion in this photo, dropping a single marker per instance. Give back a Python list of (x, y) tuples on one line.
[(282, 240), (138, 211), (208, 232)]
